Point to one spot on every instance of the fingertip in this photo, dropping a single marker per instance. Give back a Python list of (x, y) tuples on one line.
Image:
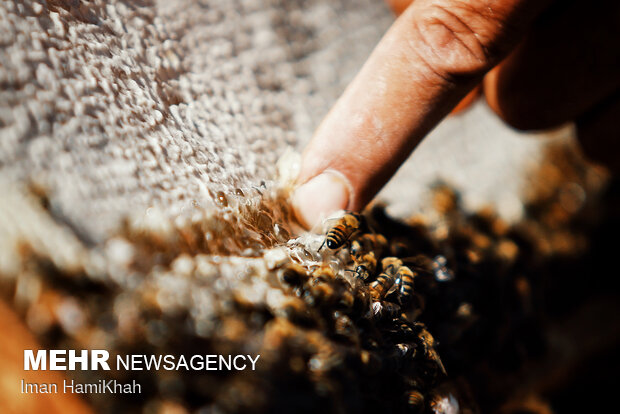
[(321, 196)]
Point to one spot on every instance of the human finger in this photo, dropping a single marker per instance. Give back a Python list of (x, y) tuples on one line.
[(567, 64), (398, 7), (430, 58)]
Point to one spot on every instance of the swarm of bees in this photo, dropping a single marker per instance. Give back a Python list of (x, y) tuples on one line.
[(385, 297), (383, 273), (388, 316)]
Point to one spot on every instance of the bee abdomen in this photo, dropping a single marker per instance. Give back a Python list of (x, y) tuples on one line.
[(406, 277), (415, 400), (406, 289), (336, 237), (383, 280), (383, 283)]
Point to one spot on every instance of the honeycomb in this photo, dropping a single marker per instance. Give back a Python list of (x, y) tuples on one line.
[(479, 333)]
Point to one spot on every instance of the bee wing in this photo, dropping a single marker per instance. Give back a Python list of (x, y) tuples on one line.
[(321, 225)]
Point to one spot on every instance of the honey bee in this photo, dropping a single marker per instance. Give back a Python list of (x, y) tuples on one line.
[(391, 265), (365, 265), (293, 274), (380, 287), (404, 281), (346, 226), (365, 251), (427, 343), (384, 282), (367, 243), (347, 300), (323, 273), (394, 273), (415, 401), (325, 288), (320, 294)]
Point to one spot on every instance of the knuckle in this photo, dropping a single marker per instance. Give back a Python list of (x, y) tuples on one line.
[(458, 41)]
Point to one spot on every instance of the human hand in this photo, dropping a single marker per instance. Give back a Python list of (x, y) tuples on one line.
[(559, 62)]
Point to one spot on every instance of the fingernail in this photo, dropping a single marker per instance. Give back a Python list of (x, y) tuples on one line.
[(321, 196)]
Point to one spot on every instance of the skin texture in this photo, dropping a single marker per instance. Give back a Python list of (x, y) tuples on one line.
[(527, 54)]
